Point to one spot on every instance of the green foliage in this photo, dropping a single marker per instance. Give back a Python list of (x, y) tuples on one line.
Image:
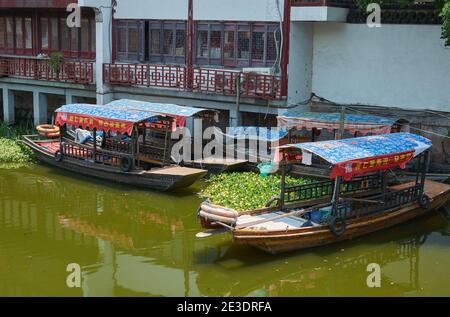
[(443, 6), (14, 132), (13, 153), (445, 16), (56, 59), (245, 191)]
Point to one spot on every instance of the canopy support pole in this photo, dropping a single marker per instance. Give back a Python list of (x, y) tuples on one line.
[(425, 166), (135, 144), (94, 135), (336, 194), (166, 140), (341, 132), (283, 182)]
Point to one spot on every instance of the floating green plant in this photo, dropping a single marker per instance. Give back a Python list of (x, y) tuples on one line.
[(245, 191)]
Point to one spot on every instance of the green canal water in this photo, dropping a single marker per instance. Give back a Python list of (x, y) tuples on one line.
[(132, 242)]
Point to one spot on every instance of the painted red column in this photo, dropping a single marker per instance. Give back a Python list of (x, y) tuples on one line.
[(285, 48), (190, 46)]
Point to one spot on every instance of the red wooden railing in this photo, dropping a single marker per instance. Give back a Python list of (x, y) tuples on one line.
[(204, 80), (68, 71)]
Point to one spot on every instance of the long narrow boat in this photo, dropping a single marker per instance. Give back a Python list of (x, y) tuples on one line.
[(354, 202), (129, 157), (180, 114)]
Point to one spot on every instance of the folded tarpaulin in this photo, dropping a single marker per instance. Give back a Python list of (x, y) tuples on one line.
[(101, 118), (179, 113), (354, 123), (254, 133)]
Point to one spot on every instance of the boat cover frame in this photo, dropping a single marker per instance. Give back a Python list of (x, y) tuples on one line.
[(358, 156), (354, 123), (88, 116)]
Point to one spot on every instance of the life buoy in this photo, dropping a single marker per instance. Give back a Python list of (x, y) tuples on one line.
[(126, 164), (333, 224), (48, 130)]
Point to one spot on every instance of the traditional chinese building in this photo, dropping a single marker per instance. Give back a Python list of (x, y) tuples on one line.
[(248, 58)]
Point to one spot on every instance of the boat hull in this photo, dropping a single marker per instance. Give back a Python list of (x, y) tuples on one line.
[(162, 179), (283, 241)]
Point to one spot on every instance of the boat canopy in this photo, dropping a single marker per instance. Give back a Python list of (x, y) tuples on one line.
[(354, 123), (255, 133), (179, 113), (350, 157), (89, 116)]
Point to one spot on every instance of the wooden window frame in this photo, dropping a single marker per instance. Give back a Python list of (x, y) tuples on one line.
[(17, 17), (51, 16), (69, 51), (236, 28), (126, 56), (161, 56), (209, 27)]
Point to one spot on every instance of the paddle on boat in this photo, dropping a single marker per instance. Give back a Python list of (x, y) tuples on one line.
[(356, 199), (129, 153)]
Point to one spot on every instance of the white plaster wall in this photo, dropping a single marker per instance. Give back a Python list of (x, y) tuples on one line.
[(395, 65), (238, 10), (319, 14), (222, 10), (152, 9), (301, 62)]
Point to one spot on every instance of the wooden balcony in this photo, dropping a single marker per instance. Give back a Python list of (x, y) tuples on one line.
[(203, 80), (79, 72)]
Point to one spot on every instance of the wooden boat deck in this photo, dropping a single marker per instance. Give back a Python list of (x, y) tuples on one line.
[(287, 223), (176, 170), (432, 188), (52, 147), (225, 162)]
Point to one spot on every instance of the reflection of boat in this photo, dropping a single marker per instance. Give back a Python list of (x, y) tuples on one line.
[(305, 217), (324, 271), (129, 160)]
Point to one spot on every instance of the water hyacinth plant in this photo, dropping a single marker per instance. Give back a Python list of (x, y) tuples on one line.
[(13, 153), (245, 191)]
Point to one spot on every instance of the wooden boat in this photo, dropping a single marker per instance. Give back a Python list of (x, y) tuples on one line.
[(345, 207), (134, 160), (180, 114)]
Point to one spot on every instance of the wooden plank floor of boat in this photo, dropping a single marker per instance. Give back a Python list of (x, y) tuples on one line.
[(177, 170), (432, 188)]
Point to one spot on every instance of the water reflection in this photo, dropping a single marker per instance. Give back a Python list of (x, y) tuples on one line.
[(132, 242)]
